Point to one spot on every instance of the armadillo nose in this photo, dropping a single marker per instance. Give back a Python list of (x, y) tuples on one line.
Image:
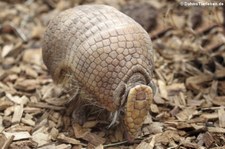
[(129, 137)]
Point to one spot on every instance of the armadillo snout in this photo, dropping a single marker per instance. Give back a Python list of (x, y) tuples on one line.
[(136, 109)]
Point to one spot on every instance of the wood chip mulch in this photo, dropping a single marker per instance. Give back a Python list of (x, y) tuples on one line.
[(188, 109)]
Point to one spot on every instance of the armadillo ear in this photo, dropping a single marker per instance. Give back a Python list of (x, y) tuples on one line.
[(120, 94), (153, 86)]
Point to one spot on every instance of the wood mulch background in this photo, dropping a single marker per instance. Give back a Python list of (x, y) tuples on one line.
[(188, 109)]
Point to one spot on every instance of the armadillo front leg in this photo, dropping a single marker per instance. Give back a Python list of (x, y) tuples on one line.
[(76, 108)]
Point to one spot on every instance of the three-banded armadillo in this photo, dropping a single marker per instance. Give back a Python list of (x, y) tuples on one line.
[(108, 54)]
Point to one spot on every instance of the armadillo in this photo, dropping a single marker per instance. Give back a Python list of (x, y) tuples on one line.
[(110, 57)]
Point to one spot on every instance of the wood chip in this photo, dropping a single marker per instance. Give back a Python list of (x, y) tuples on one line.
[(154, 108), (100, 147), (17, 99), (28, 122), (194, 82), (79, 131), (208, 139), (175, 88), (48, 146), (6, 49), (2, 140), (216, 129), (146, 145), (221, 114), (24, 144), (63, 146), (54, 133), (186, 114), (155, 128), (5, 104), (162, 89), (45, 105), (61, 137), (219, 100), (90, 124), (94, 139), (18, 135), (33, 56), (8, 142), (27, 85), (17, 115), (41, 138), (210, 116)]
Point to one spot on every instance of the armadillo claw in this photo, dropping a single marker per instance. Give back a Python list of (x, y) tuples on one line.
[(138, 104)]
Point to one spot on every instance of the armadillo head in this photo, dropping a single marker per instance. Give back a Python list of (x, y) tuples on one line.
[(136, 109)]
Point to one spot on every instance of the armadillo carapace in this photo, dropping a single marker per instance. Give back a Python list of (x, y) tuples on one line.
[(108, 54)]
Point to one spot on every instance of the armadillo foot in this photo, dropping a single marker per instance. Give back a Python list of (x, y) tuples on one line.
[(78, 110), (80, 115)]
